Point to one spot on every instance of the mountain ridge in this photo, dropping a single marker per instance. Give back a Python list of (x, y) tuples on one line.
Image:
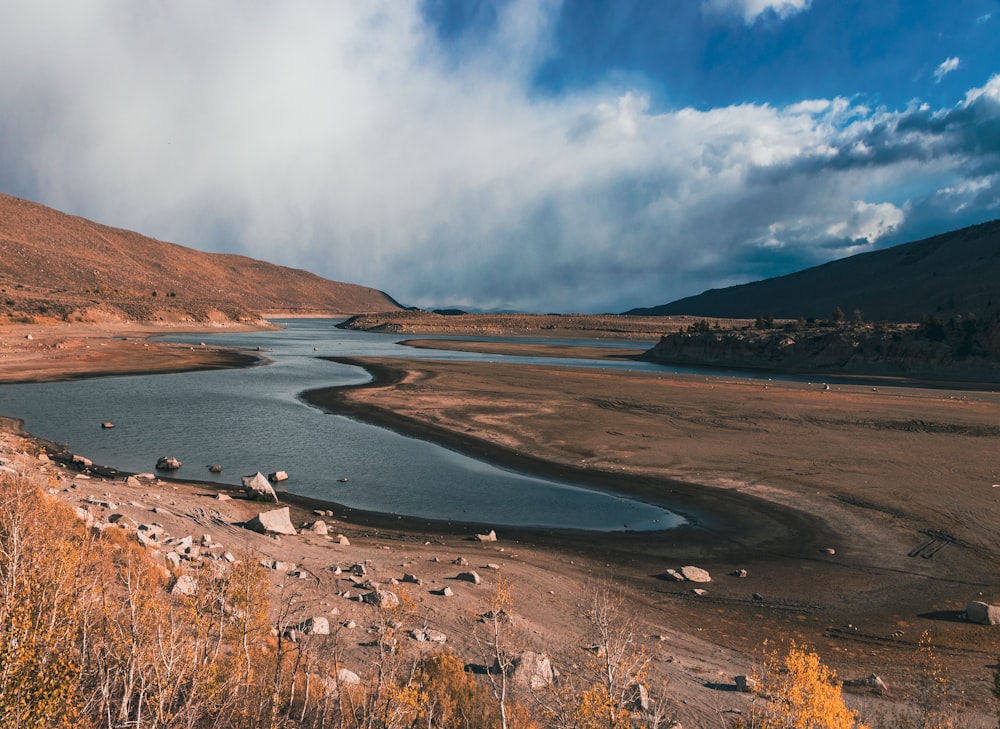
[(64, 267), (954, 273)]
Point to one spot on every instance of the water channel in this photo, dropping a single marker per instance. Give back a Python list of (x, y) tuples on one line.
[(252, 420)]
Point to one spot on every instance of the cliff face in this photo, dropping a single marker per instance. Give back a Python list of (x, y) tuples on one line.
[(961, 350)]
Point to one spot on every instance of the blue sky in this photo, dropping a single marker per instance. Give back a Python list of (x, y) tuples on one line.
[(544, 156)]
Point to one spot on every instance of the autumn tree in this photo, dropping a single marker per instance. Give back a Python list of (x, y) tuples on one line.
[(795, 690)]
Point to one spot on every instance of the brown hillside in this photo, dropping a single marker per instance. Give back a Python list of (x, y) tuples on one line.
[(955, 273), (59, 266)]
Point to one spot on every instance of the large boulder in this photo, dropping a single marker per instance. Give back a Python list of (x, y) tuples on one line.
[(982, 613), (260, 488), (533, 670), (168, 463), (695, 574), (277, 521)]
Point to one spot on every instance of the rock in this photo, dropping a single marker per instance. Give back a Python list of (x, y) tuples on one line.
[(276, 521), (315, 626), (829, 550), (348, 678), (472, 577), (168, 463), (460, 561), (982, 613), (491, 537), (223, 497), (672, 574), (428, 636), (133, 482), (342, 540), (125, 522), (107, 424), (411, 579), (745, 684), (873, 682), (699, 592), (533, 670), (739, 573), (81, 461), (277, 476), (695, 574), (319, 527), (185, 585), (215, 468), (260, 487), (446, 592), (381, 598)]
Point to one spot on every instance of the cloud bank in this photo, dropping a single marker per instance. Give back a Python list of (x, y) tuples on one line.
[(345, 139)]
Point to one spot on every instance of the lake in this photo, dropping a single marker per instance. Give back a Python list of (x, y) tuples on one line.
[(252, 420)]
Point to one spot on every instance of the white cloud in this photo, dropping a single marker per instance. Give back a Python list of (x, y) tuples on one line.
[(751, 10), (342, 138), (946, 67)]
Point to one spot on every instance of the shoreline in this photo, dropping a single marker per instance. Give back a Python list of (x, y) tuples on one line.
[(723, 521)]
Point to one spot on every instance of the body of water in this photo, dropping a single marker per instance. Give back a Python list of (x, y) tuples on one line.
[(252, 420)]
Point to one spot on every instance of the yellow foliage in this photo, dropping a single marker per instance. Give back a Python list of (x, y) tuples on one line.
[(799, 692)]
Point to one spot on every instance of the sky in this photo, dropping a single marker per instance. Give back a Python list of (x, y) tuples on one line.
[(579, 156)]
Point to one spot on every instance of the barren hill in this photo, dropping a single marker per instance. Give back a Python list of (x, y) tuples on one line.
[(58, 266), (951, 274)]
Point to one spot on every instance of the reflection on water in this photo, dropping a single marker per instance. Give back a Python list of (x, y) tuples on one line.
[(252, 420)]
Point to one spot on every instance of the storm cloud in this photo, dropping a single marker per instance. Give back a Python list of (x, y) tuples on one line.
[(347, 139)]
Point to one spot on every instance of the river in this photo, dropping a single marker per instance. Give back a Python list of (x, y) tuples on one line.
[(253, 419)]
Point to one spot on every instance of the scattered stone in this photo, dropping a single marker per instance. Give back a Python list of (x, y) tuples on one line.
[(829, 550), (228, 556), (107, 425), (358, 570), (82, 461), (133, 482), (699, 592), (490, 537), (342, 540), (672, 574), (695, 574), (277, 521), (412, 579), (739, 573), (277, 476), (491, 566), (260, 487), (472, 577), (168, 463), (982, 613), (223, 497), (125, 522), (445, 592), (460, 561), (215, 468)]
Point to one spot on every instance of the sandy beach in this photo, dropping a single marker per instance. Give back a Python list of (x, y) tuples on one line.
[(827, 497)]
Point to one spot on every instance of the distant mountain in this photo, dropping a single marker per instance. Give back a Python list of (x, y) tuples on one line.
[(57, 266), (951, 274)]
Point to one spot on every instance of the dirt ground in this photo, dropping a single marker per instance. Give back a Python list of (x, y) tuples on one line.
[(863, 516)]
